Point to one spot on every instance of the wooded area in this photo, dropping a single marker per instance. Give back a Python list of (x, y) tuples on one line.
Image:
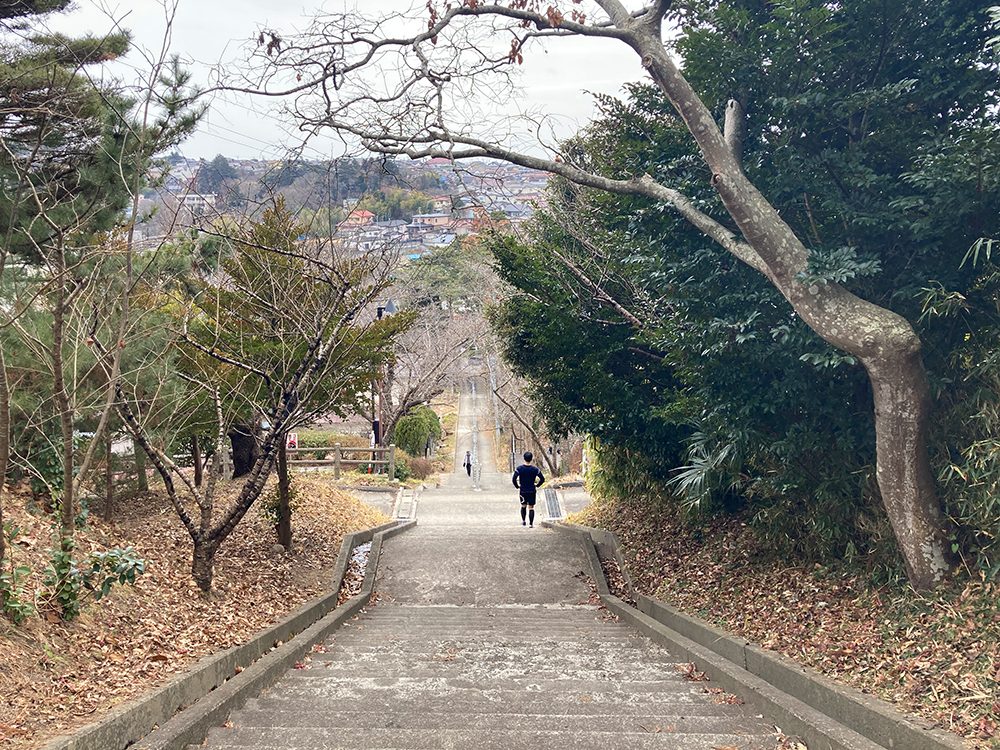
[(831, 177)]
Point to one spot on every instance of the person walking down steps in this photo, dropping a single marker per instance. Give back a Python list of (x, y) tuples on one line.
[(527, 479), (468, 463)]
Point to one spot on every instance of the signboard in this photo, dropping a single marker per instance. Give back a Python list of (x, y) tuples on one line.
[(292, 441)]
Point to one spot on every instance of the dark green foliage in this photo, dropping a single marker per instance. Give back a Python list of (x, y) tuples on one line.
[(101, 570), (393, 203), (69, 584), (62, 132), (411, 434), (451, 275), (402, 470), (212, 174), (872, 129), (15, 602), (21, 8), (414, 429)]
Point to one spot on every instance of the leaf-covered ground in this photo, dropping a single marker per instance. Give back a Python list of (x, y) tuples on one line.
[(935, 656), (57, 675)]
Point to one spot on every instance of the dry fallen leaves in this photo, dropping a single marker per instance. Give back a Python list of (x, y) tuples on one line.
[(936, 657), (57, 675)]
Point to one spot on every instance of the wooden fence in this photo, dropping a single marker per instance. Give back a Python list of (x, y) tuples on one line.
[(375, 457)]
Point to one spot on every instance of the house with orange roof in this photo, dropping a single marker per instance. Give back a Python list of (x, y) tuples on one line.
[(356, 219)]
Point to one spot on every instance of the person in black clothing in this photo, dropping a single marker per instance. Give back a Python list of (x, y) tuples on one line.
[(468, 463), (527, 479)]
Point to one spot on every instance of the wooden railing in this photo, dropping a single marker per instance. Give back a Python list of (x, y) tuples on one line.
[(376, 457)]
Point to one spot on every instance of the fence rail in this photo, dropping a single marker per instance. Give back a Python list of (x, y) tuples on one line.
[(386, 457)]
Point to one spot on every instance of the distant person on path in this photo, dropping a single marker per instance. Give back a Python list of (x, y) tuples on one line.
[(468, 463), (527, 479)]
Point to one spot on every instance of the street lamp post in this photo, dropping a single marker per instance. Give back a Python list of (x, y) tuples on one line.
[(382, 310)]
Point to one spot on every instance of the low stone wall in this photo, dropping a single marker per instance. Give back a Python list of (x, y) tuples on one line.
[(804, 703)]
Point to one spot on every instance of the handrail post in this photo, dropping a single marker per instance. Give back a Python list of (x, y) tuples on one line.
[(392, 461), (336, 460)]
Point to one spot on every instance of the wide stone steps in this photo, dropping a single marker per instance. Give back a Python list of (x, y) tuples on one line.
[(438, 677), (470, 738)]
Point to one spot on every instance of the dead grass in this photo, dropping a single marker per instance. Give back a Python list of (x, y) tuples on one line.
[(58, 675)]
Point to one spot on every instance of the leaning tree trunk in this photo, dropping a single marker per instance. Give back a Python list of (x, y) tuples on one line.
[(902, 402), (881, 340)]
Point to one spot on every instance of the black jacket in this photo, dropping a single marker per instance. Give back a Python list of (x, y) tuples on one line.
[(526, 478)]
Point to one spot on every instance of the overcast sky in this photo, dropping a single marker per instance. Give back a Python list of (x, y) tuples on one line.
[(206, 32)]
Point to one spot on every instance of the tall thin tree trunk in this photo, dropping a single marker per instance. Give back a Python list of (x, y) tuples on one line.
[(140, 468), (284, 499), (62, 402), (4, 441), (109, 476)]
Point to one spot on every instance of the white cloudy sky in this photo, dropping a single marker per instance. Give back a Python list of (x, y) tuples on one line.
[(207, 32)]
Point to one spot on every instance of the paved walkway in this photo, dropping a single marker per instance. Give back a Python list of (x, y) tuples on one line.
[(485, 636)]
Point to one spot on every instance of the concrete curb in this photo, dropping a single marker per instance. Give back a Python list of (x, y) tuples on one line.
[(182, 711), (825, 714)]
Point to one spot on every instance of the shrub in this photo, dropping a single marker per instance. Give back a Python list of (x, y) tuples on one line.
[(411, 434), (15, 600), (323, 439), (421, 468), (270, 503), (431, 418)]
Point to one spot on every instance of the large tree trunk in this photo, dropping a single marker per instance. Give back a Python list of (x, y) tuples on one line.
[(881, 340), (902, 402), (203, 563)]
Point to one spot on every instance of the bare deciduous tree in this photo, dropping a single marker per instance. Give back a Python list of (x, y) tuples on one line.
[(287, 332), (427, 359)]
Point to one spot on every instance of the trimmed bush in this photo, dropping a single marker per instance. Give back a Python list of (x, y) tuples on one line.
[(431, 418), (411, 434)]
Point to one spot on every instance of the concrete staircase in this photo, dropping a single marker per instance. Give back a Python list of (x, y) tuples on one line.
[(509, 676), (485, 635)]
